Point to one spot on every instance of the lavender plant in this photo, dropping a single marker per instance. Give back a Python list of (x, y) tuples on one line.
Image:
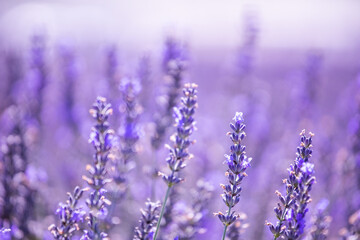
[(169, 213), (144, 75), (39, 74), (18, 197), (101, 138), (237, 228), (131, 110), (149, 216), (351, 167), (189, 224), (111, 65), (14, 67), (292, 208), (237, 163), (353, 231), (69, 215), (321, 221), (173, 66), (129, 135), (70, 72), (185, 125), (247, 50)]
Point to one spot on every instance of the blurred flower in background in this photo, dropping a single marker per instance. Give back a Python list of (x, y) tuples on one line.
[(285, 65)]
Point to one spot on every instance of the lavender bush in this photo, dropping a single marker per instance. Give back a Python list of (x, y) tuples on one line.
[(251, 59)]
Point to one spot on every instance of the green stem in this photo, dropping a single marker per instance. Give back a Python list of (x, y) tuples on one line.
[(226, 226), (162, 212), (224, 233)]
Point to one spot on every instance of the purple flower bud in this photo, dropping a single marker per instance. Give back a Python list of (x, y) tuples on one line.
[(238, 118)]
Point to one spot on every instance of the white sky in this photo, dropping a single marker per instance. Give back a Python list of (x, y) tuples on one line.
[(333, 24)]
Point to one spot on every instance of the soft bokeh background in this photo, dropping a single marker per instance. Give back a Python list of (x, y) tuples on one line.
[(287, 65)]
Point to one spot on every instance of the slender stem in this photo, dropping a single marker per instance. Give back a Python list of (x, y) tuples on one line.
[(226, 226), (224, 233), (162, 212)]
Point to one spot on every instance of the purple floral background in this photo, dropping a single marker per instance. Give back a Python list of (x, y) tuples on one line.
[(287, 66)]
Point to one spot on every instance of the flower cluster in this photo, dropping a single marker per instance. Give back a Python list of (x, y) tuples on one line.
[(174, 67), (144, 73), (247, 50), (292, 208), (321, 222), (17, 199), (70, 72), (237, 228), (111, 65), (237, 163), (38, 74), (149, 216), (131, 110), (15, 71), (189, 223), (101, 138), (353, 232), (129, 135), (70, 215), (185, 125)]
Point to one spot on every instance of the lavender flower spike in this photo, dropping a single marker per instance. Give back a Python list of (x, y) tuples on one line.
[(321, 222), (131, 109), (17, 197), (293, 206), (149, 216), (174, 66), (69, 216), (185, 125), (101, 138), (237, 163), (189, 224)]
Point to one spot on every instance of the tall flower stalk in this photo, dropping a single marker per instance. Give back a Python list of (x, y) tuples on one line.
[(237, 229), (129, 133), (18, 197), (321, 222), (69, 215), (246, 55), (39, 74), (14, 70), (185, 125), (353, 231), (237, 163), (189, 224), (143, 73), (101, 138), (131, 110), (173, 66), (70, 75), (149, 216), (292, 208)]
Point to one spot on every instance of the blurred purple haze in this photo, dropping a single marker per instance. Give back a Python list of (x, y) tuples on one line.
[(285, 65)]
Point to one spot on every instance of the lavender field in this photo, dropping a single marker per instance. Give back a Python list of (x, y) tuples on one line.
[(180, 120)]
